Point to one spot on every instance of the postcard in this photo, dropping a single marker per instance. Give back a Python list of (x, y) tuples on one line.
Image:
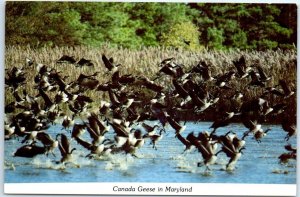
[(150, 98)]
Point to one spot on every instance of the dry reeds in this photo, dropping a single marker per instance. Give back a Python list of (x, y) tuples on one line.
[(144, 61)]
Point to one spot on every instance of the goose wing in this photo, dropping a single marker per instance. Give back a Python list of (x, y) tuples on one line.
[(285, 87), (175, 125), (147, 127), (92, 132), (83, 143), (181, 91), (65, 143), (183, 140), (107, 63), (119, 129), (45, 138)]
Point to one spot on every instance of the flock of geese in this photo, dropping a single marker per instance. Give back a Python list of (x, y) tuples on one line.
[(172, 94)]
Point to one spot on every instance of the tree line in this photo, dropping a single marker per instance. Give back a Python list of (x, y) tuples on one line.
[(134, 24)]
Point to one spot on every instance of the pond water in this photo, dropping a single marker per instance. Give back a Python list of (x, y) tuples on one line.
[(258, 164)]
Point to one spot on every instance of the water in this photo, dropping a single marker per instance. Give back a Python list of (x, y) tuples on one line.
[(258, 164)]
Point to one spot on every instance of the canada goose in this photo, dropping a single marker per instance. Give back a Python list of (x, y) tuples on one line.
[(238, 143), (140, 141), (45, 84), (255, 105), (30, 137), (64, 148), (289, 147), (289, 127), (48, 142), (279, 108), (285, 157), (18, 98), (167, 61), (273, 91), (94, 149), (104, 108), (231, 151), (201, 105), (48, 103), (166, 69), (234, 157), (255, 80), (29, 150), (149, 129), (19, 131), (66, 59), (183, 93), (87, 83), (205, 148), (185, 142), (84, 62), (258, 135), (174, 124), (149, 84), (67, 122), (221, 122), (9, 131), (126, 79), (286, 89), (60, 82), (61, 97), (78, 130), (97, 137), (242, 69), (15, 78), (262, 75), (252, 126), (155, 138), (203, 69), (108, 63), (29, 61), (119, 129), (223, 79), (227, 141), (97, 125)]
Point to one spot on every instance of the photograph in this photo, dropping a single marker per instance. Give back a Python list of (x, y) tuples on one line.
[(150, 98)]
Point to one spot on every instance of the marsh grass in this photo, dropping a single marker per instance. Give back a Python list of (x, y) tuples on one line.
[(145, 61)]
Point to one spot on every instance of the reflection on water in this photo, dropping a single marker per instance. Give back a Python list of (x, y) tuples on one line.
[(258, 164)]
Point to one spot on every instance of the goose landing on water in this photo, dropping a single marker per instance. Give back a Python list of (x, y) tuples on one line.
[(30, 151), (64, 148)]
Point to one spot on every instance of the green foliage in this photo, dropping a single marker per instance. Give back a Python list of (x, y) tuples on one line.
[(136, 24), (246, 26), (215, 37), (182, 35)]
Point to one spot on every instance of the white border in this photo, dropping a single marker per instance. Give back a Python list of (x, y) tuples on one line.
[(203, 189), (110, 189)]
